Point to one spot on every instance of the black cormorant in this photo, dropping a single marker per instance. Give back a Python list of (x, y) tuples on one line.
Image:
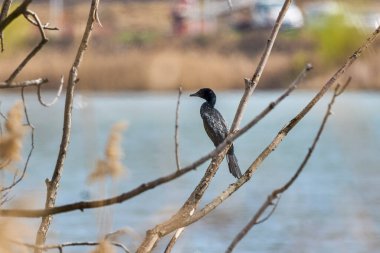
[(216, 127)]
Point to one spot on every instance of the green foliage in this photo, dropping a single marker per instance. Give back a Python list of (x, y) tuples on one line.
[(17, 33), (336, 37)]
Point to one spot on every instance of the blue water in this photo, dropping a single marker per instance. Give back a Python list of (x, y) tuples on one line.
[(332, 207)]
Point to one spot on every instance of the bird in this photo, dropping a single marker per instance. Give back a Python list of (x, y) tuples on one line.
[(216, 127)]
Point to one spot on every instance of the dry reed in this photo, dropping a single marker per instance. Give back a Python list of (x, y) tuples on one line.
[(11, 232), (111, 164), (104, 247), (11, 140)]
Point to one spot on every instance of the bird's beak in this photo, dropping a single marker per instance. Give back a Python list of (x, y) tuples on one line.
[(194, 94)]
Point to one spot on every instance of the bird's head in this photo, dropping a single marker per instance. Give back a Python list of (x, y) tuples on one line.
[(207, 94)]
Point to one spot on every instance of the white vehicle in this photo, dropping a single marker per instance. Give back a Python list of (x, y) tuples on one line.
[(264, 14)]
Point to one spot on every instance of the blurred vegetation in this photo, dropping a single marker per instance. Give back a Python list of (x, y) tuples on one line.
[(18, 34), (136, 47), (335, 39), (138, 38)]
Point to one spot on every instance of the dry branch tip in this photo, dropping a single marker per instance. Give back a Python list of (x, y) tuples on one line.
[(56, 96)]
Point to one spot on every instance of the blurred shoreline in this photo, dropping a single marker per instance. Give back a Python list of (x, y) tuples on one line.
[(136, 49)]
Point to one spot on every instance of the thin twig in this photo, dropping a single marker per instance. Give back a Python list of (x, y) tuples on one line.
[(53, 184), (68, 244), (275, 205), (43, 41), (4, 9), (1, 42), (4, 12), (159, 181), (28, 83), (3, 115), (56, 96), (4, 198), (37, 22), (277, 193), (45, 26), (176, 129), (17, 12), (37, 82)]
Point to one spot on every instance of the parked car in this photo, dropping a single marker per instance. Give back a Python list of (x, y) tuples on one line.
[(264, 14)]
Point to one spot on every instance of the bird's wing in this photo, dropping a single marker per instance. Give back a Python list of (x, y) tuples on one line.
[(215, 126)]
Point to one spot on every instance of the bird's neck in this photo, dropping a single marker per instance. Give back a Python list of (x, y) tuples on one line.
[(211, 101)]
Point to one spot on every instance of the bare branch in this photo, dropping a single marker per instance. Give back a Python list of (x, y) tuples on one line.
[(96, 17), (191, 204), (251, 84), (37, 22), (55, 98), (69, 244), (176, 236), (4, 12), (4, 198), (273, 104), (17, 12), (95, 203), (32, 18), (43, 41), (340, 90), (176, 129), (3, 116), (195, 197), (275, 205), (36, 82), (45, 26), (53, 184), (162, 180), (5, 8), (276, 194)]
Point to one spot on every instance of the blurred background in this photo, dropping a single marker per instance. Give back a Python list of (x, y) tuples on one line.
[(159, 45), (131, 71)]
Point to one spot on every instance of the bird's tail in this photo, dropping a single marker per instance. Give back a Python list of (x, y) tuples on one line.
[(233, 164)]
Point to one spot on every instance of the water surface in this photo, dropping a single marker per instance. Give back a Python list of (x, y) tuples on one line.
[(332, 207)]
